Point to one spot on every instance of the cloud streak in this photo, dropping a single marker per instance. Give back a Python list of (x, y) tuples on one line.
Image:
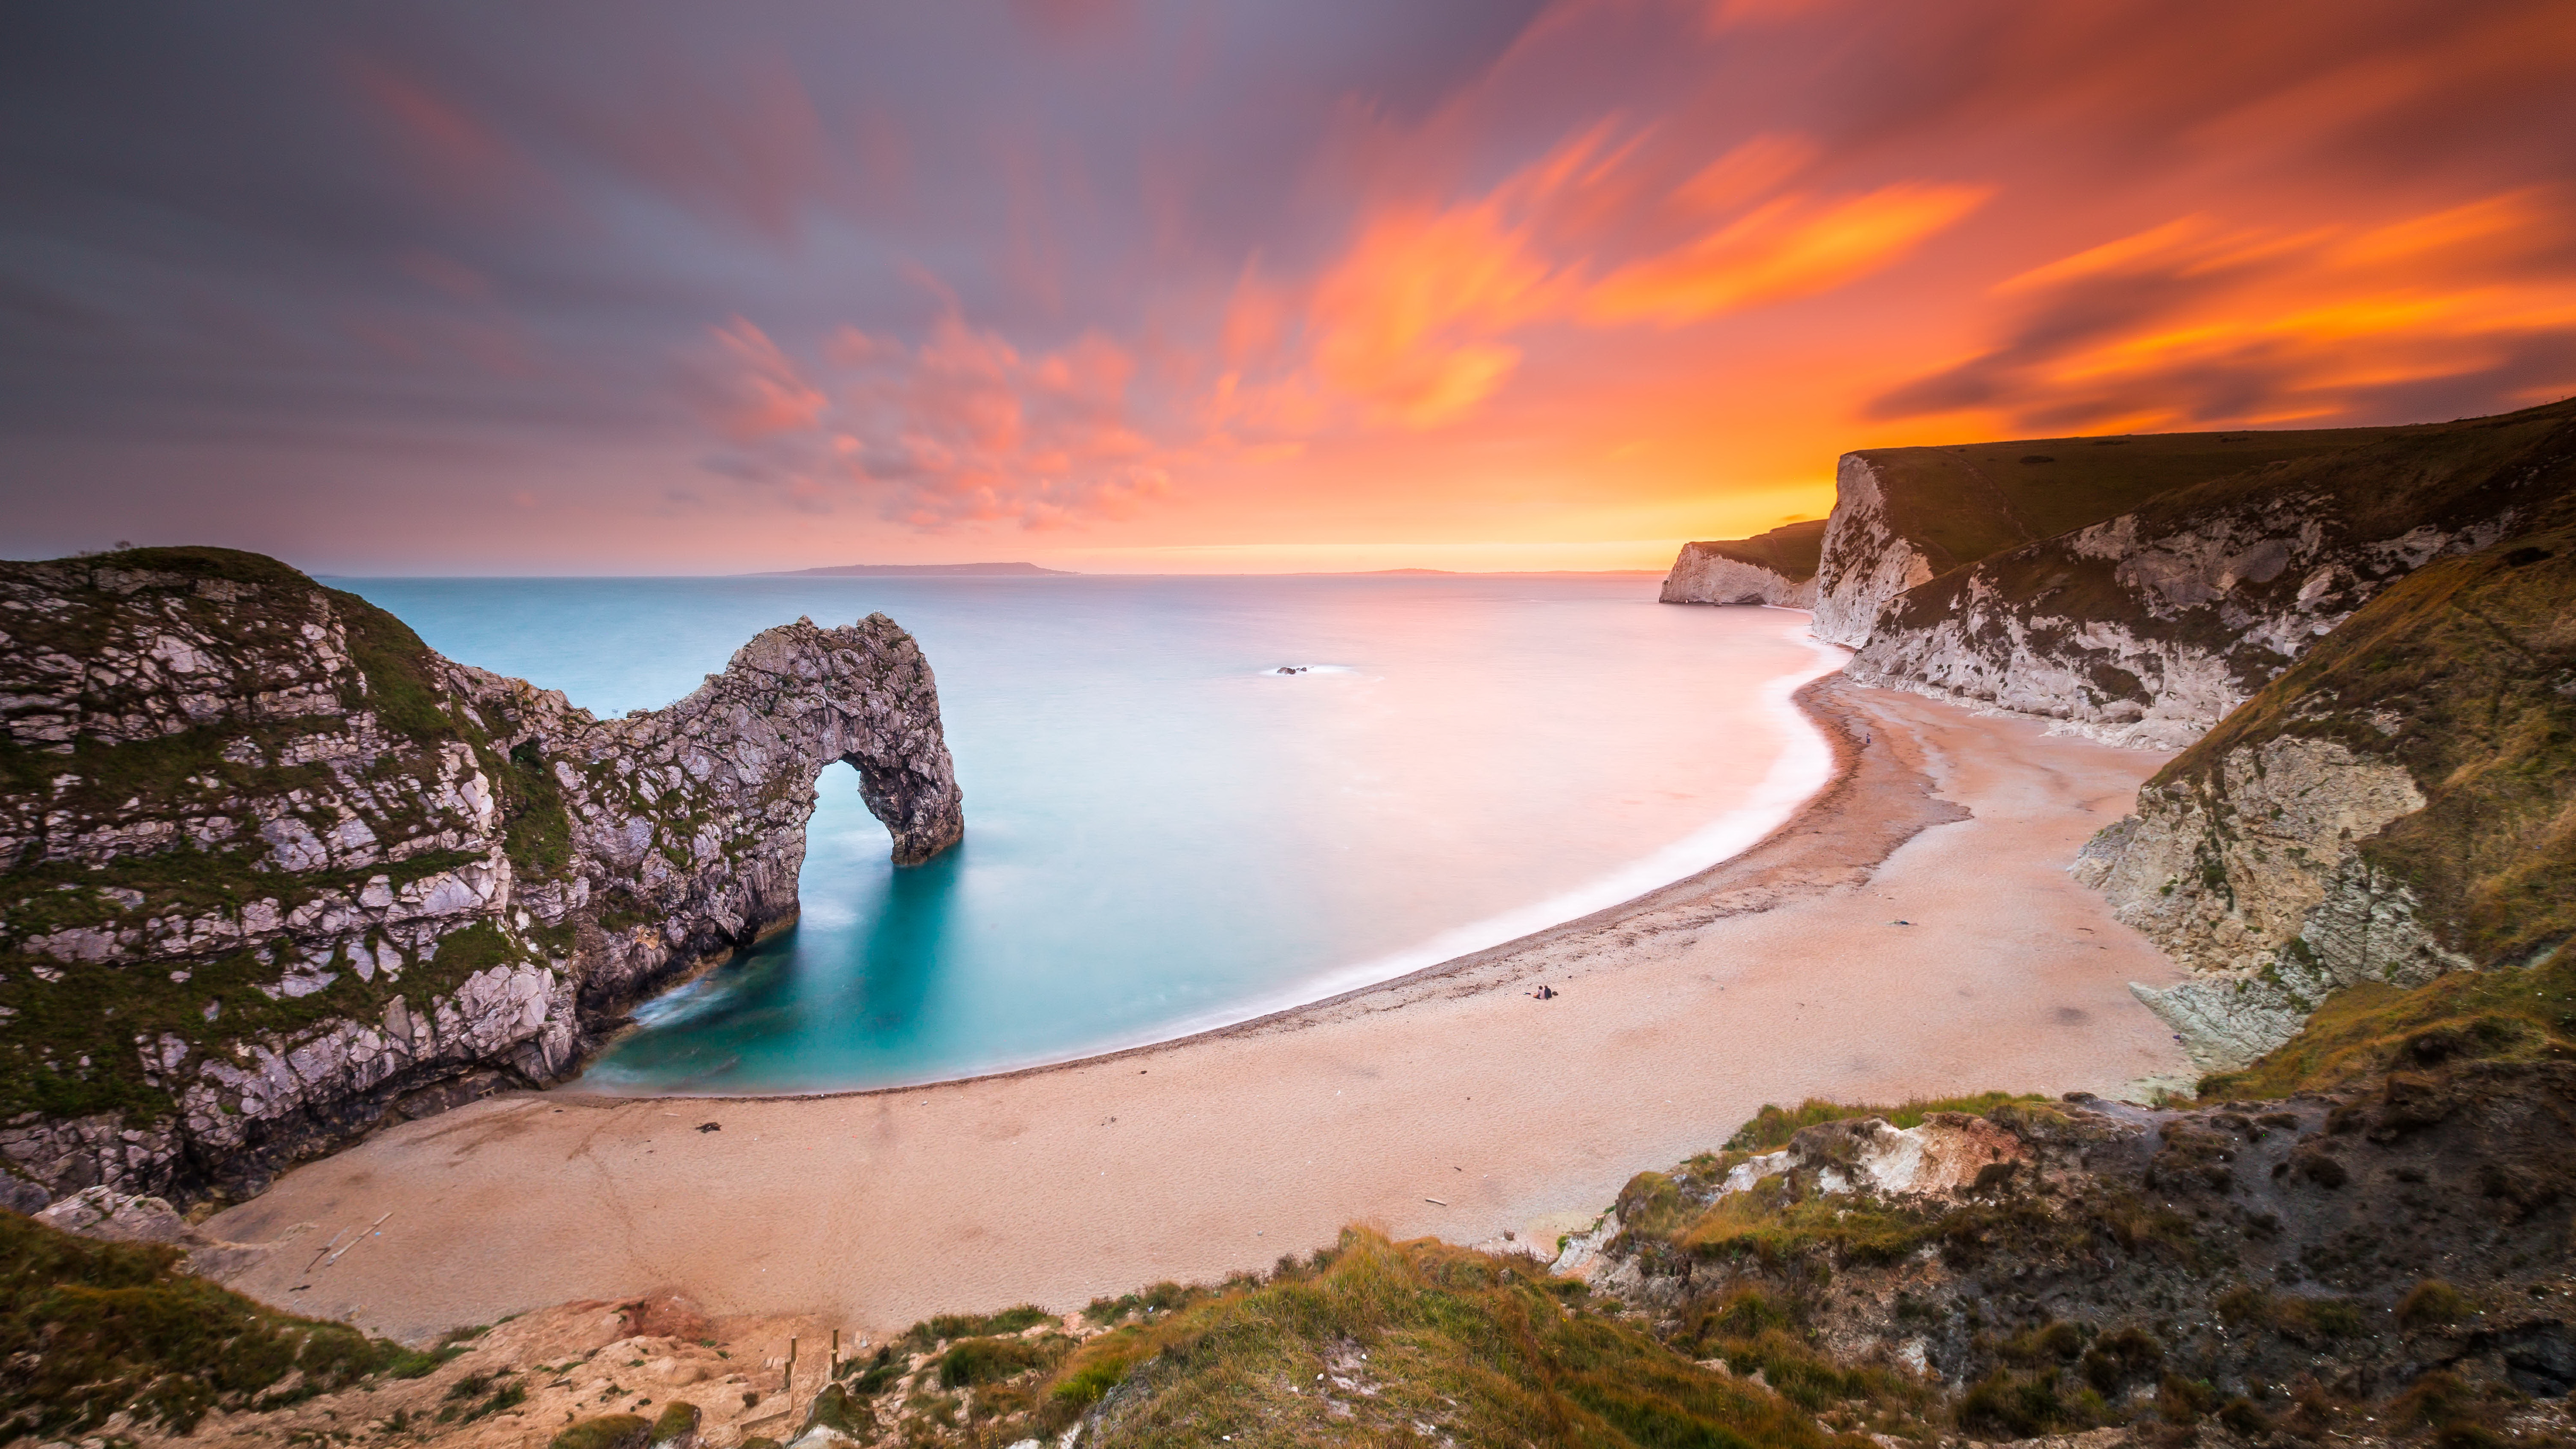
[(798, 283)]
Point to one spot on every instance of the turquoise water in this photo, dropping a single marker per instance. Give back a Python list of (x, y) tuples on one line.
[(1163, 833)]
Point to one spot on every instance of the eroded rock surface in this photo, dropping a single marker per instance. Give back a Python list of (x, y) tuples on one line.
[(1868, 560), (2147, 628), (2389, 811), (2101, 1246), (277, 872), (1776, 568)]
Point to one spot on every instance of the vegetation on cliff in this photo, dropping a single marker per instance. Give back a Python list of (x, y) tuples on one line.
[(1792, 550), (1959, 503), (89, 1330), (2465, 674), (278, 728), (271, 869)]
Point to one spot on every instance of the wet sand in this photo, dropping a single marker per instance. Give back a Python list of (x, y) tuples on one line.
[(1450, 1102)]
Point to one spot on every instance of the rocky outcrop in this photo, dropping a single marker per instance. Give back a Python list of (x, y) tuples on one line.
[(2147, 628), (2253, 877), (2103, 1252), (277, 872), (1905, 516), (2388, 811), (1776, 568), (1867, 562)]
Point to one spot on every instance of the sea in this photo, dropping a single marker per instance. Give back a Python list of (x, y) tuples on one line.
[(1165, 833)]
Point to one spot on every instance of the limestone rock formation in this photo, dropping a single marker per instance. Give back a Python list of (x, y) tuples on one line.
[(1905, 516), (1866, 562), (276, 871), (2147, 627), (1776, 568), (2391, 809)]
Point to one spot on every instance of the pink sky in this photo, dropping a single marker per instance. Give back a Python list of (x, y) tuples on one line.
[(1183, 288)]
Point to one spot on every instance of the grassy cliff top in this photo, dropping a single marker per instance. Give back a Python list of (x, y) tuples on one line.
[(70, 1045), (2465, 673), (92, 1329), (1964, 502), (1792, 550)]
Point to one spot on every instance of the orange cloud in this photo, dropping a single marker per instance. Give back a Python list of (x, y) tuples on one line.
[(1792, 247), (1415, 317), (1409, 317), (2197, 323), (961, 428)]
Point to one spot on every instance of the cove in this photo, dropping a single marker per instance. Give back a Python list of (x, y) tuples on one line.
[(1164, 833)]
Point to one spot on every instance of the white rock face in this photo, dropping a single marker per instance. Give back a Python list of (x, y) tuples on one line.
[(2255, 881), (1701, 575), (2173, 628), (361, 853), (1866, 565)]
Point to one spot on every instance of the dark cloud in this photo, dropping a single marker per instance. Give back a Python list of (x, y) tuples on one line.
[(358, 268)]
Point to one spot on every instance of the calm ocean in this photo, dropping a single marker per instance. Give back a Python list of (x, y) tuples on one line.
[(1164, 834)]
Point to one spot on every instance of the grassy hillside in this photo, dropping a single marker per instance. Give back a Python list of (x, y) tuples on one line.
[(90, 1329), (2465, 673), (1791, 551), (1964, 502)]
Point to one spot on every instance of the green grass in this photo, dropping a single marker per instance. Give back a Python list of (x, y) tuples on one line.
[(96, 1011), (606, 1431), (2472, 661), (2365, 1031), (1961, 503), (986, 1360), (1791, 551), (948, 1326), (1773, 1126), (1480, 1349), (89, 1328)]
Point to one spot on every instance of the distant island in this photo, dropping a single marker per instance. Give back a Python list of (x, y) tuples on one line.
[(978, 570)]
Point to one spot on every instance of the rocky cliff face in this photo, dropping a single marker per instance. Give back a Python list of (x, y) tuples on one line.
[(2148, 627), (1776, 568), (2392, 808), (1867, 562), (1905, 516), (276, 871)]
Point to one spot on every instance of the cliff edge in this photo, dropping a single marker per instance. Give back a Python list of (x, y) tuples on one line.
[(277, 871), (2395, 806), (1905, 516), (2149, 626), (1776, 568)]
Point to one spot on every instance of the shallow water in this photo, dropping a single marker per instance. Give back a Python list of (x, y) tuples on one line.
[(1164, 833)]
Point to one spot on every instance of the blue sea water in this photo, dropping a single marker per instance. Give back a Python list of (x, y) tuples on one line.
[(1163, 832)]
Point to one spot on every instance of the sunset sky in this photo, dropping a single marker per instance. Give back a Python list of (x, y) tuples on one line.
[(1126, 286)]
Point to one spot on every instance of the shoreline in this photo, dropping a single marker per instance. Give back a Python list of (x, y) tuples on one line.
[(1802, 714), (1909, 931)]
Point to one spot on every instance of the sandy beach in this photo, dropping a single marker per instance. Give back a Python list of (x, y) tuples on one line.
[(1910, 932)]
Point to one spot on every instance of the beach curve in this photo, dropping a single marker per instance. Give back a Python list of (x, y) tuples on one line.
[(1934, 854)]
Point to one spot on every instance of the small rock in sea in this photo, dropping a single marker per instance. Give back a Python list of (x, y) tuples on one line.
[(1900, 923), (711, 1127)]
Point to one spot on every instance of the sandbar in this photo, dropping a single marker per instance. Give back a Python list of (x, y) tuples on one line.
[(1910, 932)]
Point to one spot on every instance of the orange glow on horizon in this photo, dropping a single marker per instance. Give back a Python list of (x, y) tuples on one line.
[(1574, 284)]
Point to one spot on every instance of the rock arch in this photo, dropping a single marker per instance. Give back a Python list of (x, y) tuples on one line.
[(434, 881), (693, 816)]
